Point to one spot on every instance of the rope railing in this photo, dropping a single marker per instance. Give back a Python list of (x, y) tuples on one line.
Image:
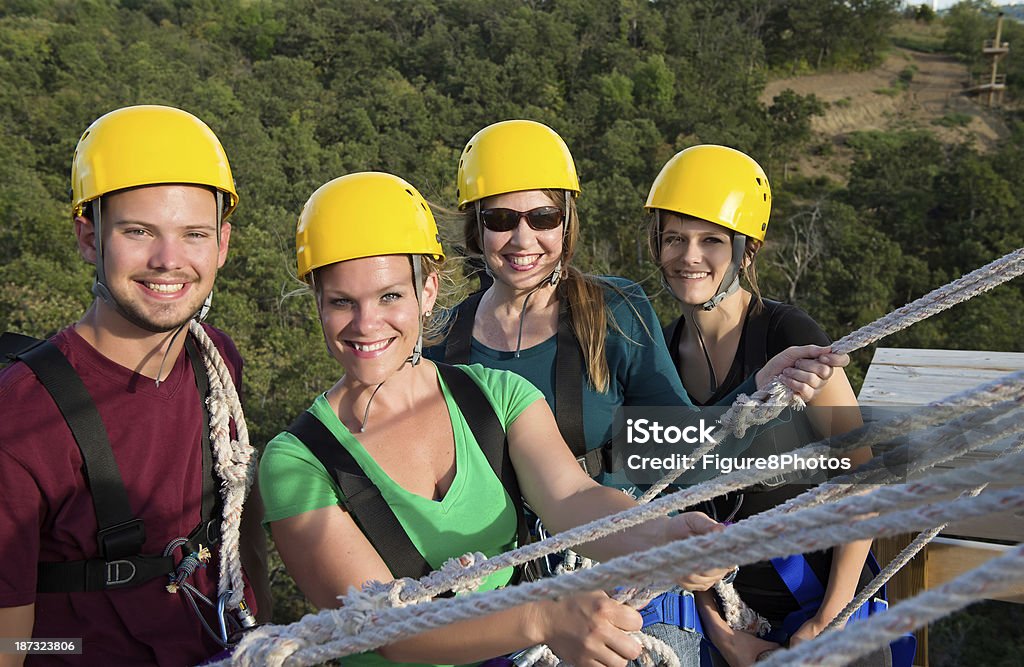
[(1011, 386), (962, 409), (366, 623), (870, 434), (766, 404)]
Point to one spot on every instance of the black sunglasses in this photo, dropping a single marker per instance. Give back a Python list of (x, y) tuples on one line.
[(506, 219)]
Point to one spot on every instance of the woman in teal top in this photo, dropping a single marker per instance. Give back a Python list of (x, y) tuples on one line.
[(367, 246)]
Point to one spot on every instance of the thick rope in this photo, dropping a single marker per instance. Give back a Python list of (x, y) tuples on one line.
[(1007, 388), (940, 445), (363, 632), (234, 461), (872, 434), (944, 444), (900, 560), (687, 497), (766, 404), (750, 541), (998, 576)]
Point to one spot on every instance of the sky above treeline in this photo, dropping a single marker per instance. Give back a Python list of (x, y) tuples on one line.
[(946, 4)]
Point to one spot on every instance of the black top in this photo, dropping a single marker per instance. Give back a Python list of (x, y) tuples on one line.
[(776, 327)]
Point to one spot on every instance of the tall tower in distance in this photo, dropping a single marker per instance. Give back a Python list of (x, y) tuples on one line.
[(996, 50)]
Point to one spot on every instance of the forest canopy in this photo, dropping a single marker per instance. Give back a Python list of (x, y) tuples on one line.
[(302, 92)]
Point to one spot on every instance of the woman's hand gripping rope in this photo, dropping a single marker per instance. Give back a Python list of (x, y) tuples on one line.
[(770, 401)]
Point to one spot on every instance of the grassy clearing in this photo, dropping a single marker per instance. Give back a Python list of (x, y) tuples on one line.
[(918, 36)]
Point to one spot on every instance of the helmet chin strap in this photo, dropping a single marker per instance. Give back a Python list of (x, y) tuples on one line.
[(417, 279), (204, 310), (731, 282), (417, 351), (556, 274), (99, 281), (551, 281), (729, 285)]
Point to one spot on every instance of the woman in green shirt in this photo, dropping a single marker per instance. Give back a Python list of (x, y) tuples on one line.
[(367, 245)]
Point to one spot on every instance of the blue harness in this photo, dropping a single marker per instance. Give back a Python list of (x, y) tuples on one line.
[(672, 609), (808, 591)]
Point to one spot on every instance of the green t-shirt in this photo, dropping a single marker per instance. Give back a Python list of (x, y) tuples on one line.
[(475, 514)]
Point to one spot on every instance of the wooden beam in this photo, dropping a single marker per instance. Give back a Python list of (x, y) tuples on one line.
[(948, 558)]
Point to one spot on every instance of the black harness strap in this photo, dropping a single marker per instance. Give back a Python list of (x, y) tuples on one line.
[(459, 341), (569, 381), (97, 574), (489, 435), (120, 535), (569, 376), (363, 499)]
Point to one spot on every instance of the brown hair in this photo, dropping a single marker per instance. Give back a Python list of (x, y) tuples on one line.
[(752, 247), (584, 294)]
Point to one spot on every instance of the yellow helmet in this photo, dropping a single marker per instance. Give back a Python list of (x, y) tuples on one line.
[(717, 184), (148, 145), (514, 155), (364, 215)]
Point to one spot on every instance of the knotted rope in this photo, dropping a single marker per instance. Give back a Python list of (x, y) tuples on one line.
[(234, 461)]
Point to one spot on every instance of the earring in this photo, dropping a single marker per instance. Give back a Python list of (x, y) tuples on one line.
[(428, 313)]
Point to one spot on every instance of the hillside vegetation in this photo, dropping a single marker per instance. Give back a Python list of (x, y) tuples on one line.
[(301, 92)]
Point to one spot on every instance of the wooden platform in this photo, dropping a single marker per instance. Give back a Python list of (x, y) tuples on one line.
[(900, 378)]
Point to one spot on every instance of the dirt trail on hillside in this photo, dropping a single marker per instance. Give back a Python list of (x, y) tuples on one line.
[(934, 93)]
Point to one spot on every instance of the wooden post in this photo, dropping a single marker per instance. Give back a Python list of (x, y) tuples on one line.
[(995, 59)]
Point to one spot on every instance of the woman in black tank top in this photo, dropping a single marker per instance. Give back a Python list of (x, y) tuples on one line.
[(710, 208)]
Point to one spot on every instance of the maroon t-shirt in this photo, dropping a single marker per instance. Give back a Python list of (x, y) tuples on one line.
[(156, 434)]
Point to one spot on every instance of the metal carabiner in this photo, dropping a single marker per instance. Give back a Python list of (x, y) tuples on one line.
[(244, 620), (222, 603)]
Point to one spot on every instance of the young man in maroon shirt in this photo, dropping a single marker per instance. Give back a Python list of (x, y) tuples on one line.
[(152, 189)]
